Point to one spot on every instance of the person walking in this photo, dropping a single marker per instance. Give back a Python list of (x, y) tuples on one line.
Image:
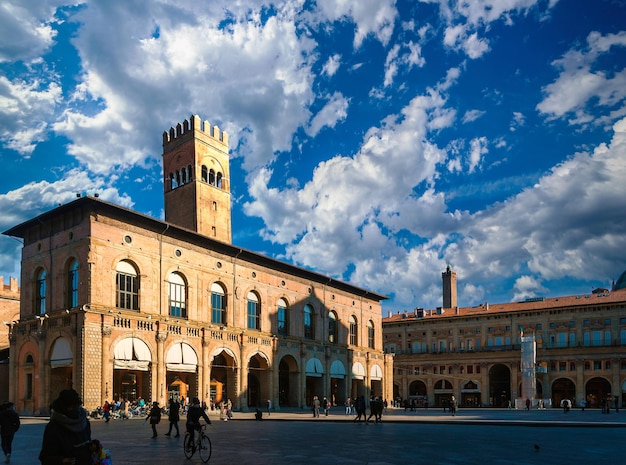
[(155, 417), (106, 411), (67, 436), (360, 409), (325, 406), (269, 407), (9, 424), (348, 406), (173, 416), (453, 405), (316, 407)]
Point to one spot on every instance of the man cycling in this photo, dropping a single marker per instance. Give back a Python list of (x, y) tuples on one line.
[(194, 414)]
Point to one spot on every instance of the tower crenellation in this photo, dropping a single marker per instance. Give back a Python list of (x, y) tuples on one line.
[(187, 128)]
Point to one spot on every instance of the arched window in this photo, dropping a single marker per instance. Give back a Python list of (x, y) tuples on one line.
[(332, 327), (127, 284), (254, 311), (72, 283), (177, 295), (308, 322), (179, 182), (219, 180), (370, 334), (354, 331), (212, 177), (205, 173), (173, 182), (282, 317), (189, 173), (218, 304), (40, 292)]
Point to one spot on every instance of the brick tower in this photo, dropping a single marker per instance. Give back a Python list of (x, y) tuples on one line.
[(197, 179), (449, 288)]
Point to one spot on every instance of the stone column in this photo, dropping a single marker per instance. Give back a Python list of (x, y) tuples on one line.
[(160, 390), (42, 382), (106, 378), (204, 374)]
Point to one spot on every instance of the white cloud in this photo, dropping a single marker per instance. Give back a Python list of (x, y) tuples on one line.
[(527, 287), (465, 20), (478, 148), (371, 17), (332, 65), (580, 86), (25, 29), (23, 109), (335, 110), (472, 115)]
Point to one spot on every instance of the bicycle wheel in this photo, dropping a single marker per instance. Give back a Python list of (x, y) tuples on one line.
[(205, 448), (188, 450)]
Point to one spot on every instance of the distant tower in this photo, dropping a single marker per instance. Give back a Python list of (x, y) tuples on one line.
[(449, 288), (197, 179)]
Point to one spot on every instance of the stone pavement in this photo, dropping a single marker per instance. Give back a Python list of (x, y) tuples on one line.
[(473, 436)]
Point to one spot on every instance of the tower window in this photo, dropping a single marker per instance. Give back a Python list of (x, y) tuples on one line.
[(205, 174)]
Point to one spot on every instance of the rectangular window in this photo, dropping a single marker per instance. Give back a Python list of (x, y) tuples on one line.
[(586, 339), (499, 340), (597, 365), (177, 300), (217, 308), (477, 344), (572, 339), (253, 315), (392, 348), (72, 281), (607, 337), (127, 291), (596, 338), (281, 321), (562, 366), (416, 347), (561, 340), (470, 369)]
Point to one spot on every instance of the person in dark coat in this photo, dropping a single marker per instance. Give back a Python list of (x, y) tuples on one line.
[(67, 437), (155, 417), (9, 424), (173, 417), (194, 414)]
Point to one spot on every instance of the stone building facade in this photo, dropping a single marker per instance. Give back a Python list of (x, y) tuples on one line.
[(474, 353), (117, 304), (9, 313)]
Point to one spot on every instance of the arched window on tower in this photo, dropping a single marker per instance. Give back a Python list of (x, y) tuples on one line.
[(189, 173), (219, 180), (173, 181), (205, 174), (212, 177), (178, 181)]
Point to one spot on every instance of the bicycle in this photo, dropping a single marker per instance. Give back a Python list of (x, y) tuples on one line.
[(202, 444)]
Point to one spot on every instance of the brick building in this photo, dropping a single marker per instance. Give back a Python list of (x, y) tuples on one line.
[(117, 304), (474, 353), (9, 312)]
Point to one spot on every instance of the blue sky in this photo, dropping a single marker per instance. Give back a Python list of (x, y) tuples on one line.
[(376, 141)]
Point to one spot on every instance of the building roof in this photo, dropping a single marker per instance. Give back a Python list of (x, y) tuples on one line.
[(539, 303), (93, 204)]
